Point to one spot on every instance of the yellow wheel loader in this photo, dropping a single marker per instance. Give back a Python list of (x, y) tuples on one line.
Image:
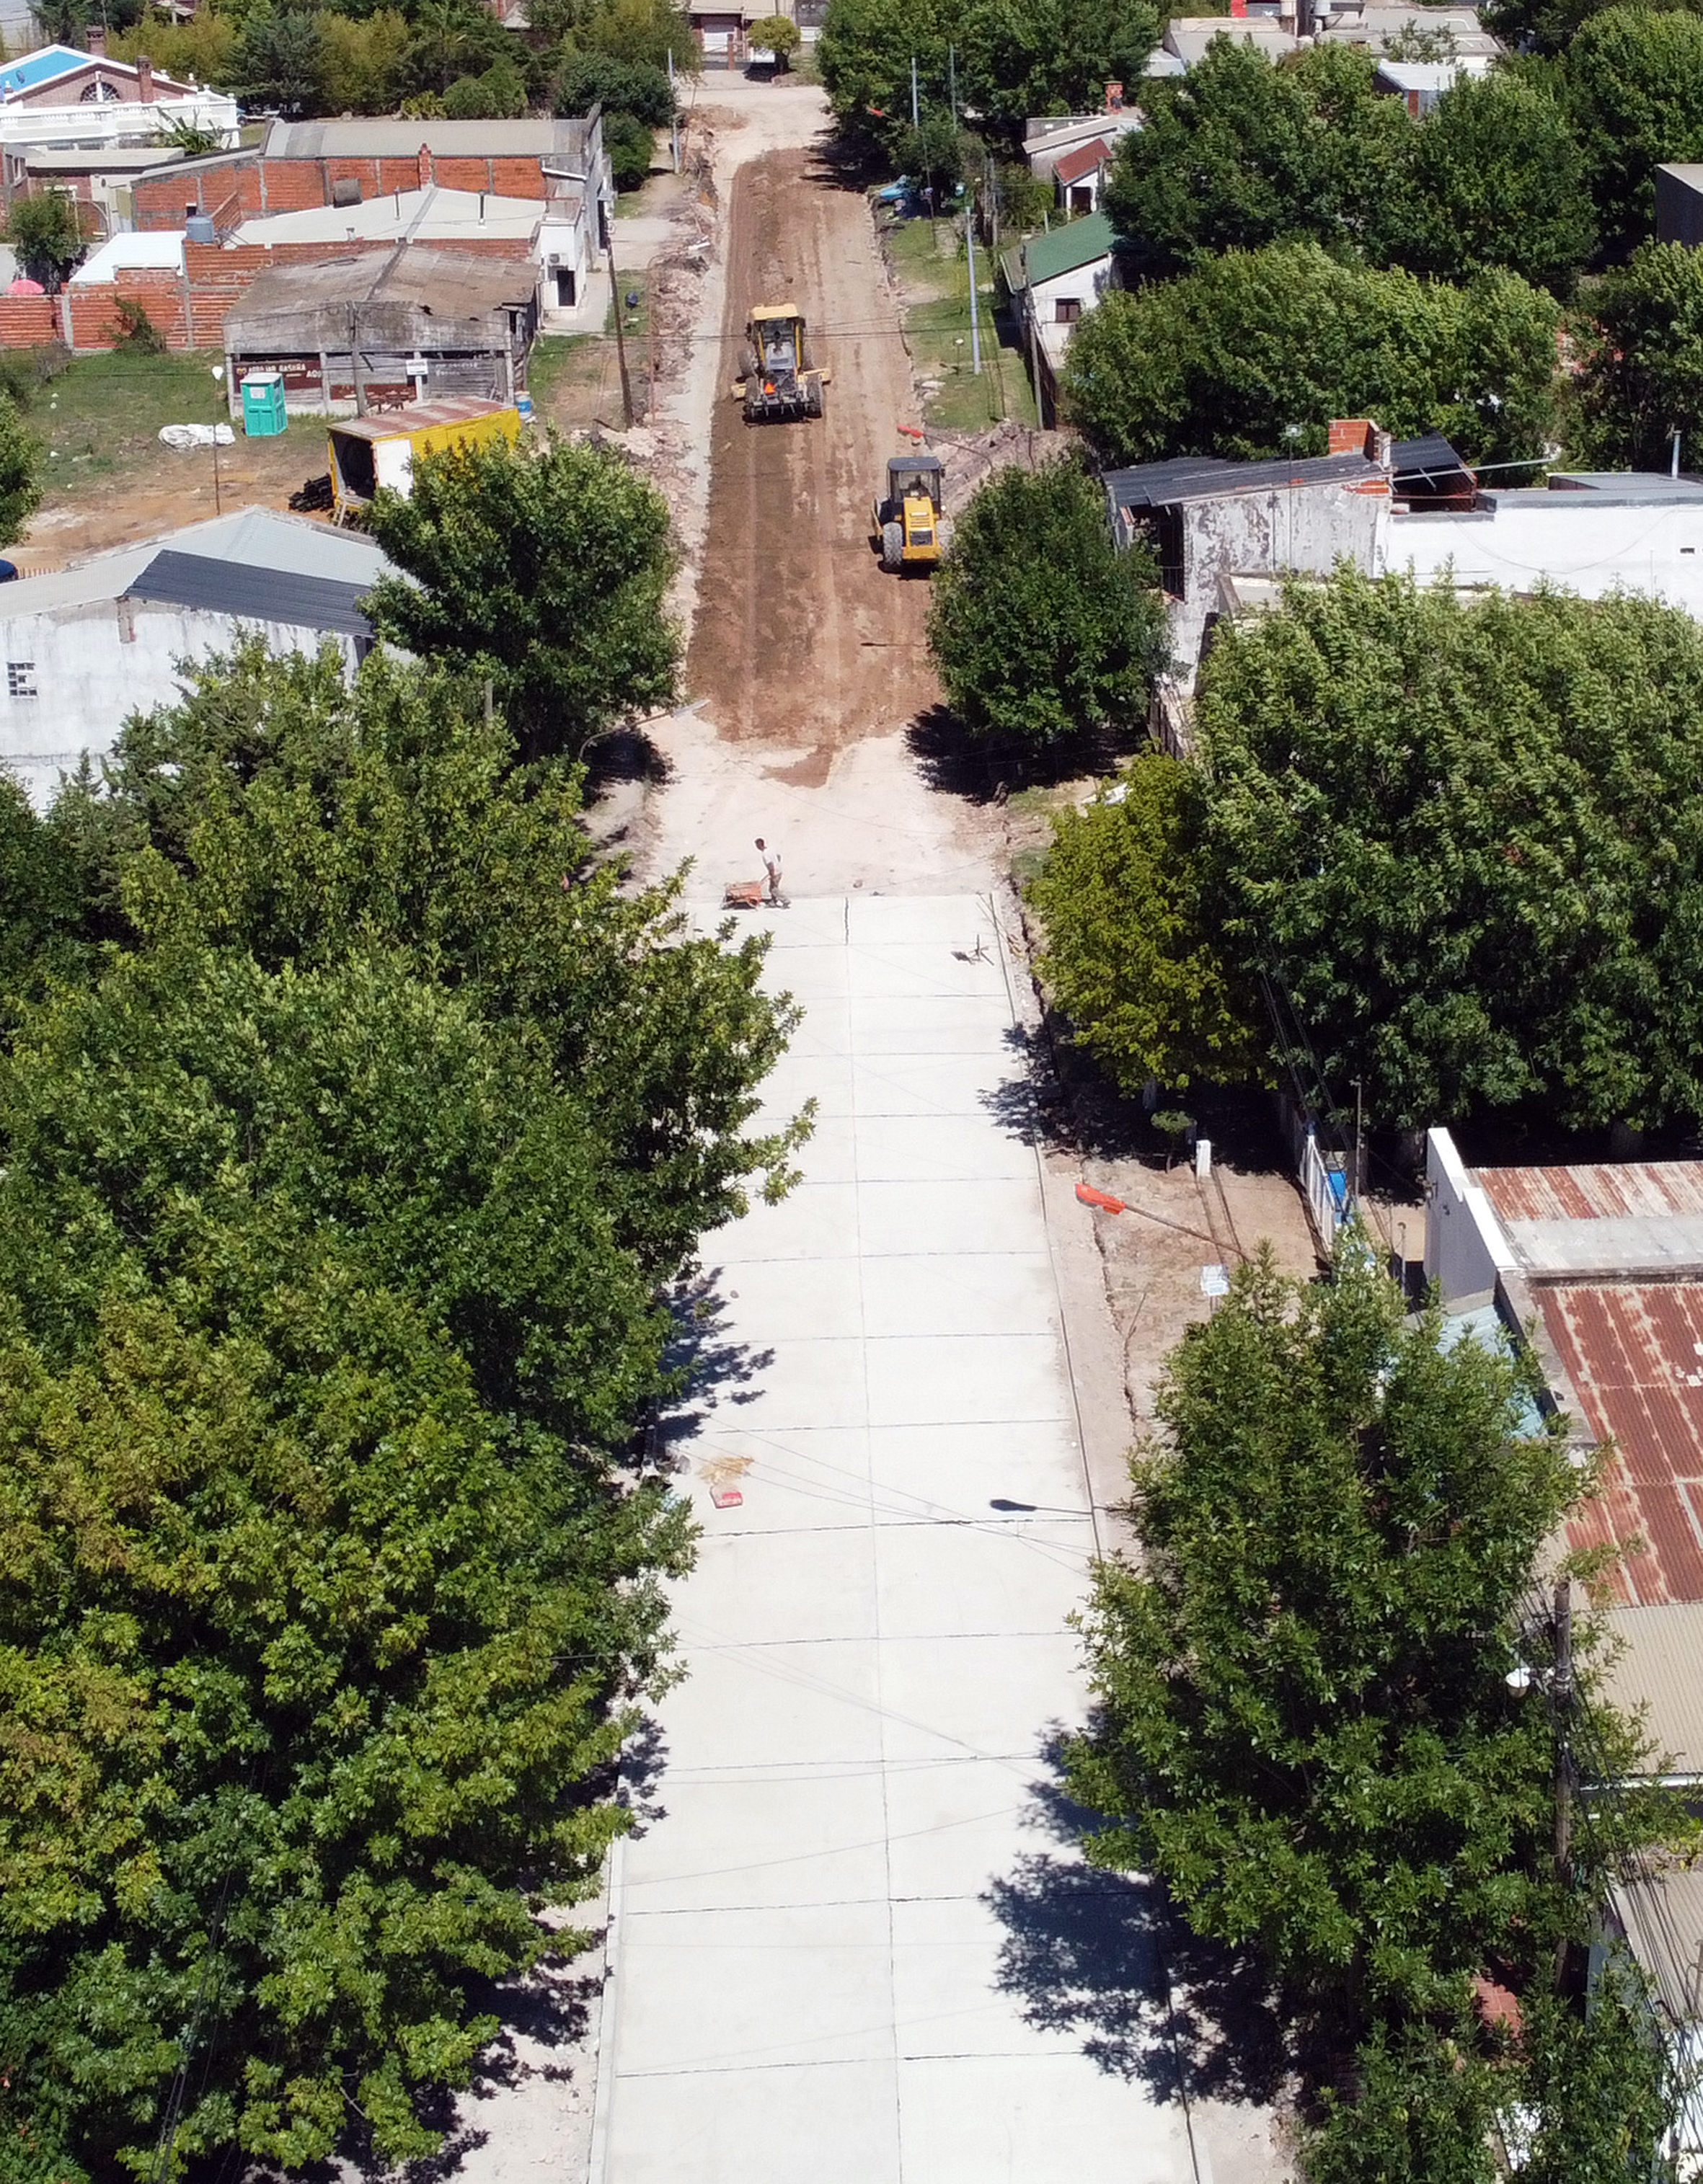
[(913, 532), (777, 380)]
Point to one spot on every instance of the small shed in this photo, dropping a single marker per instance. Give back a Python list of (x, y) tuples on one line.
[(1080, 176), (378, 330)]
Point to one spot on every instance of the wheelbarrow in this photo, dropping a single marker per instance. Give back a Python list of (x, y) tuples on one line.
[(742, 894)]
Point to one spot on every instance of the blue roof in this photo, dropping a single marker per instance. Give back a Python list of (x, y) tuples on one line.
[(41, 67)]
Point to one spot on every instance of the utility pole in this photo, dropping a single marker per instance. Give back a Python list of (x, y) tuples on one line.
[(1034, 345), (974, 316), (621, 344), (916, 111), (952, 80), (674, 104), (1359, 1140), (1561, 1690)]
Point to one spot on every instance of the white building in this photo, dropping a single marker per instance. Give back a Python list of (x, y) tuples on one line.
[(1590, 532), (85, 648), (1055, 280)]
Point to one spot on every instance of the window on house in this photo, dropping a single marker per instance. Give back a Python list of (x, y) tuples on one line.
[(1066, 310), (20, 678)]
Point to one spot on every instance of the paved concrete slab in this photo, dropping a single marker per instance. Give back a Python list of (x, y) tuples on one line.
[(813, 1980)]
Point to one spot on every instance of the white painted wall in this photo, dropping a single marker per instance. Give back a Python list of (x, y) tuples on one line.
[(1466, 1252), (88, 678), (1571, 538)]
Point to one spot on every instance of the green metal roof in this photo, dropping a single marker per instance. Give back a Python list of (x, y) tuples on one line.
[(1064, 249)]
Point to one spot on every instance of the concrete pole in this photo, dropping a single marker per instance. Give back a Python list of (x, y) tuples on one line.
[(621, 342), (974, 312), (916, 117)]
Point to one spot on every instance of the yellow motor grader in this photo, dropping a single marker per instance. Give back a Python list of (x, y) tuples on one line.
[(777, 380)]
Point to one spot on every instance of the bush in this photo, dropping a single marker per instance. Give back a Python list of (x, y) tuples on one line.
[(141, 335), (586, 79), (498, 95), (631, 146)]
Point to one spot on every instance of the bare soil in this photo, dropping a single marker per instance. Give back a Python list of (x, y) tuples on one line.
[(801, 638)]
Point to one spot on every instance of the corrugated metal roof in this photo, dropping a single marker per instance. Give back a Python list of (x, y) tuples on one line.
[(452, 285), (1660, 1906), (1212, 477), (418, 416), (1658, 1669), (1067, 248), (261, 595), (1634, 1356), (1083, 161), (387, 137), (262, 538), (1645, 1190)]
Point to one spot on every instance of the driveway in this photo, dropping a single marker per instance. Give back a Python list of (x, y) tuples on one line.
[(852, 1944)]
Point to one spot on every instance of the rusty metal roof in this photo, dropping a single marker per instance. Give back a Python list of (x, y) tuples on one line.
[(1634, 1355), (1644, 1188)]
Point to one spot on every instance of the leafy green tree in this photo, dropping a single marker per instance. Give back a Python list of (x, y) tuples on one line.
[(935, 150), (863, 57), (642, 33), (335, 1205), (1017, 58), (1255, 352), (1306, 1727), (499, 94), (1634, 85), (1238, 154), (1493, 176), (451, 39), (20, 471), (48, 236), (1126, 899), (778, 35), (361, 62), (1643, 375), (1040, 628), (279, 61), (586, 79), (1461, 835), (545, 571)]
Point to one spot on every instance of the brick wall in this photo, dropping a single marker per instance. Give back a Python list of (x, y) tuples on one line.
[(28, 321), (188, 309), (247, 187)]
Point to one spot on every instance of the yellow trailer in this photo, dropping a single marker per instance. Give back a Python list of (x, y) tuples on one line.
[(368, 452)]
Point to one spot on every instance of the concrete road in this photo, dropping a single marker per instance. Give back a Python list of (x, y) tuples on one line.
[(833, 1962)]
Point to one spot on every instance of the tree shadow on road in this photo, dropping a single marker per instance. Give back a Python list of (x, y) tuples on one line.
[(986, 770), (707, 1362), (1103, 1957)]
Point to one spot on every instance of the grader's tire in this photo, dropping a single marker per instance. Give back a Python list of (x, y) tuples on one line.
[(893, 547), (815, 398)]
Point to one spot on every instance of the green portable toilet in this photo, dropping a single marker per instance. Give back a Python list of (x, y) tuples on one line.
[(263, 405)]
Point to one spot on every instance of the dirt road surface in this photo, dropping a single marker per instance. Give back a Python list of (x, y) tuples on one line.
[(801, 638)]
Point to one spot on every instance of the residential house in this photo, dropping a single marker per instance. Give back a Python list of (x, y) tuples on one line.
[(1079, 176), (63, 98), (384, 329), (87, 646), (1049, 138), (1054, 280), (302, 164), (1601, 1267), (1592, 532), (101, 178)]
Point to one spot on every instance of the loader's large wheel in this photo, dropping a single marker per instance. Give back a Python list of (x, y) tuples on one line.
[(748, 364), (813, 400), (893, 547)]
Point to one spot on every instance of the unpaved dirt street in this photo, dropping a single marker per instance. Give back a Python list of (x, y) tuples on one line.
[(801, 638)]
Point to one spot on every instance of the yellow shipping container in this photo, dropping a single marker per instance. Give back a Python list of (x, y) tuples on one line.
[(366, 452)]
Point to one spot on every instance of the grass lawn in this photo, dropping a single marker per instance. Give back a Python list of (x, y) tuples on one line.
[(935, 288), (98, 419)]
